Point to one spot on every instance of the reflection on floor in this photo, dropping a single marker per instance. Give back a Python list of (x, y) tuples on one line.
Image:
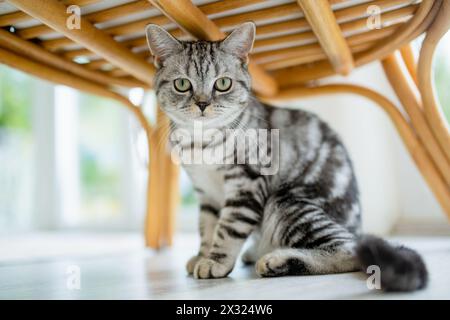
[(116, 266)]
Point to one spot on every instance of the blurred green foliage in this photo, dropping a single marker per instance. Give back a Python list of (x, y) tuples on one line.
[(442, 81), (15, 99), (99, 131)]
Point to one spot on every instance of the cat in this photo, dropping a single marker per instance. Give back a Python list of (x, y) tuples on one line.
[(304, 217)]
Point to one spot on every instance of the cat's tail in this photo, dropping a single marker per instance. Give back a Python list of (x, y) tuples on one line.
[(401, 268)]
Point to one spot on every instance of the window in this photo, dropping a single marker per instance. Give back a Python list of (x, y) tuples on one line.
[(16, 148), (73, 160)]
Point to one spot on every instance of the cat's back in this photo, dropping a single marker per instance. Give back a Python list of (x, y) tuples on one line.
[(299, 128), (289, 118)]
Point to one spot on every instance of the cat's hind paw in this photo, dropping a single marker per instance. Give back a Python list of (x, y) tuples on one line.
[(280, 263), (271, 265), (210, 269)]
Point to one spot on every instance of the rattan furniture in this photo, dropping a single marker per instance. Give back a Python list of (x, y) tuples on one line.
[(298, 43)]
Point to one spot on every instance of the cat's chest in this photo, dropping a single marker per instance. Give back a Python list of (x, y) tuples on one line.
[(208, 180)]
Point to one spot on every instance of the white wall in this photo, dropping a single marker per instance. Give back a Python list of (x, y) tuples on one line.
[(391, 187)]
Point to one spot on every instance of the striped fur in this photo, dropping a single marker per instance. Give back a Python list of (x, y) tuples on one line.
[(305, 218)]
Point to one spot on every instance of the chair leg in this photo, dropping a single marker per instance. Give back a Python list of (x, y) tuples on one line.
[(409, 97), (162, 192), (171, 199), (413, 102), (410, 62)]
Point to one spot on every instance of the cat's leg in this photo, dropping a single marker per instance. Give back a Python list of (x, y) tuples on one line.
[(209, 215), (309, 240), (238, 218), (234, 226)]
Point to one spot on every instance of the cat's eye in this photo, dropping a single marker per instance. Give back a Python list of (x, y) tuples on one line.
[(182, 84), (222, 84)]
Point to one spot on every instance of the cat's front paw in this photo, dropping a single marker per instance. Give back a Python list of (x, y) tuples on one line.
[(210, 269), (190, 265)]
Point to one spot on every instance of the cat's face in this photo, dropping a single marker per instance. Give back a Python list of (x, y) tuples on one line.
[(202, 81)]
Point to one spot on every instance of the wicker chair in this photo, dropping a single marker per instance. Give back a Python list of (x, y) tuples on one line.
[(298, 43)]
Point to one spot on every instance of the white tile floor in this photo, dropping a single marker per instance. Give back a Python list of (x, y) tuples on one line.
[(116, 266)]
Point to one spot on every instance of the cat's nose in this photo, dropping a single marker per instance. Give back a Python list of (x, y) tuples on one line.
[(202, 105)]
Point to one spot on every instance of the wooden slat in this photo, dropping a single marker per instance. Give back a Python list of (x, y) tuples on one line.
[(20, 16), (358, 25), (309, 58), (98, 65), (303, 36), (53, 14), (78, 53), (232, 20), (139, 25), (258, 15), (360, 10), (206, 9), (418, 24), (13, 18), (94, 17), (287, 10), (325, 27), (315, 48), (117, 73), (118, 11), (194, 21), (32, 51), (344, 14), (80, 2)]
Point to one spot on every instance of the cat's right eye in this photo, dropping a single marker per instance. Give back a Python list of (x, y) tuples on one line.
[(182, 84)]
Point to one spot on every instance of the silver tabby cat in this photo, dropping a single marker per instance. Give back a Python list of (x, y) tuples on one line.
[(305, 218)]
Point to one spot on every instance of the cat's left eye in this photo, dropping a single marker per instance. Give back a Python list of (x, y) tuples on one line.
[(222, 84)]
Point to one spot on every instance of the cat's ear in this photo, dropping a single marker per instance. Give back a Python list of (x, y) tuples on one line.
[(161, 43), (240, 41)]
